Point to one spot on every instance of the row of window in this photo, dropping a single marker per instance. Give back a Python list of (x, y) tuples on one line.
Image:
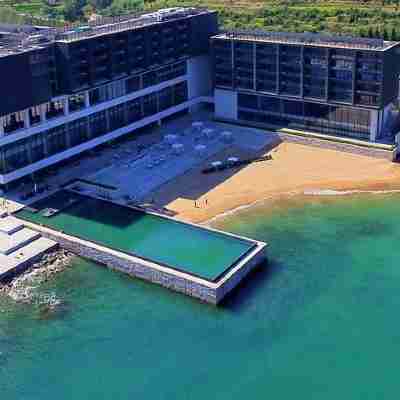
[(15, 121), (336, 119), (34, 148)]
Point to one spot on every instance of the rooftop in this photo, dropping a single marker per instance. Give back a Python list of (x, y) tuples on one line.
[(16, 39), (107, 25), (309, 39)]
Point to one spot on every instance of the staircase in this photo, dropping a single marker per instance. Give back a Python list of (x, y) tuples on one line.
[(20, 247)]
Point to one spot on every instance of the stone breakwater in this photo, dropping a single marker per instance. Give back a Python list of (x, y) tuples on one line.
[(25, 288), (190, 285)]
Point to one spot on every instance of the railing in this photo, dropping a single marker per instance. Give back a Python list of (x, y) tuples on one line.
[(306, 38)]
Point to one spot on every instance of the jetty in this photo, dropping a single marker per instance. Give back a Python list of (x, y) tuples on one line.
[(20, 247)]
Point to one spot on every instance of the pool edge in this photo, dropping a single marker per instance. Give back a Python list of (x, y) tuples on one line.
[(179, 281)]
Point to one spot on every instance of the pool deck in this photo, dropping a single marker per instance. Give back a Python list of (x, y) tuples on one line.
[(212, 292)]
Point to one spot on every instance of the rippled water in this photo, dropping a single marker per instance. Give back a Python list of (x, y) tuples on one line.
[(318, 322)]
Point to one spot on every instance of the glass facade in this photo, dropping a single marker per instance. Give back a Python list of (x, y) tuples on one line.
[(47, 143), (332, 75), (326, 118)]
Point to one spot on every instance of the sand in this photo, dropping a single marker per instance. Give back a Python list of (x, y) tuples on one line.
[(295, 168)]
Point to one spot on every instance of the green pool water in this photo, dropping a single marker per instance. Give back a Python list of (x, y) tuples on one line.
[(201, 252)]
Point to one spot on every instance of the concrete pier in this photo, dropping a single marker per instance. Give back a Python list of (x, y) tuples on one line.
[(212, 292)]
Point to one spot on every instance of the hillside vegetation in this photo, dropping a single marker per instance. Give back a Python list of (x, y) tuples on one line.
[(361, 18)]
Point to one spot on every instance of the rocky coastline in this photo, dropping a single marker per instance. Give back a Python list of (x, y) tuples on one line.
[(23, 289)]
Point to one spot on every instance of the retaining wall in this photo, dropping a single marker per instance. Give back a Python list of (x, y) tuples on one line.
[(323, 142), (210, 292), (344, 147)]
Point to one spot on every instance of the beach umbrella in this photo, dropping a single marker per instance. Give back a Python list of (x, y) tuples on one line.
[(200, 149), (178, 148), (171, 138), (208, 132)]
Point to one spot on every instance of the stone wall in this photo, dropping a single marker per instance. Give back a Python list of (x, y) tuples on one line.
[(374, 152), (209, 292), (344, 147), (133, 266)]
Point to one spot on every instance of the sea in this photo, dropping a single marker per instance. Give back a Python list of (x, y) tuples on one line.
[(319, 320)]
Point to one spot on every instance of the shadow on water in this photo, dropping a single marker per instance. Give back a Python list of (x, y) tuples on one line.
[(257, 280), (84, 208)]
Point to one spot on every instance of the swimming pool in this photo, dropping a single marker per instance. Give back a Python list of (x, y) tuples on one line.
[(195, 250)]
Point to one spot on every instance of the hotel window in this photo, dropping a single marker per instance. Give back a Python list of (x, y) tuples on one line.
[(97, 124), (77, 131), (132, 84), (76, 102), (34, 115), (98, 95), (247, 101), (149, 79), (16, 156), (56, 139), (180, 93), (165, 98), (134, 110), (150, 104), (13, 122), (54, 109), (37, 148), (116, 89), (117, 116)]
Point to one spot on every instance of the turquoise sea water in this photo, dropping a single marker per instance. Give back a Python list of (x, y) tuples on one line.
[(199, 251), (318, 322)]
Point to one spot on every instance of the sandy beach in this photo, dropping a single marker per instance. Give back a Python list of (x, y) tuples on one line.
[(294, 169)]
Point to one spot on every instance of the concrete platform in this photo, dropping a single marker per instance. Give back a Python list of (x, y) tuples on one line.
[(17, 261), (19, 239), (10, 225)]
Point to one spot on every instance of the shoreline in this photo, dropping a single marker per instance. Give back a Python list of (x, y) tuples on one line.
[(321, 193), (295, 170)]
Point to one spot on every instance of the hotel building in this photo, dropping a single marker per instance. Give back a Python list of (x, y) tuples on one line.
[(67, 91), (329, 84)]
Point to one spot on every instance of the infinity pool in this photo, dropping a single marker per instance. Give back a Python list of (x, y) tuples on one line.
[(178, 245)]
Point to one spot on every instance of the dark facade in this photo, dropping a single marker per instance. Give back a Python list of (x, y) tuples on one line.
[(26, 79), (81, 59), (319, 82), (91, 61)]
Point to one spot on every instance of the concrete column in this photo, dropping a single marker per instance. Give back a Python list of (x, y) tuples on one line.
[(1, 127), (254, 66), (68, 137), (43, 113), (108, 120), (87, 99), (302, 71), (27, 122), (45, 146), (374, 128), (66, 106)]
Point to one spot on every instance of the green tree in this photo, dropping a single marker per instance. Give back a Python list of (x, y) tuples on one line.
[(119, 7), (100, 4), (73, 9), (385, 34), (9, 15), (393, 35)]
